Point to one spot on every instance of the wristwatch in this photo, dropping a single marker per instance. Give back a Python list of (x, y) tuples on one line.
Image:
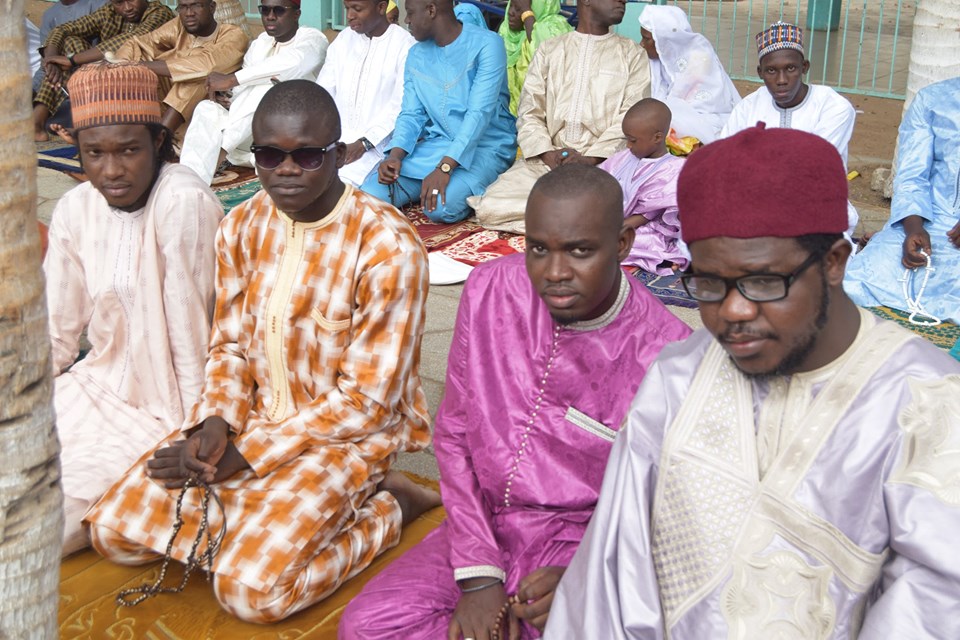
[(70, 58), (367, 145), (445, 167)]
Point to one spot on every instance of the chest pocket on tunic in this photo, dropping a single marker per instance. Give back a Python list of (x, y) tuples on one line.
[(330, 325), (588, 424)]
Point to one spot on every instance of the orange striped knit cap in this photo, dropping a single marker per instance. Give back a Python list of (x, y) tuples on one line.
[(113, 93)]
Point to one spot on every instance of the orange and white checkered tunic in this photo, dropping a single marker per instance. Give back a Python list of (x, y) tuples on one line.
[(314, 359)]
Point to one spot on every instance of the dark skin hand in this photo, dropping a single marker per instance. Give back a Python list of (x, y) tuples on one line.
[(917, 239), (220, 82), (206, 454), (437, 181), (355, 151), (636, 221), (56, 64), (521, 7), (389, 169), (53, 69), (556, 157), (476, 613), (954, 235), (575, 157), (535, 595)]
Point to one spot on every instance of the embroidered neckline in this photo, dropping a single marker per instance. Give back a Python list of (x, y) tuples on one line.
[(609, 315), (590, 35), (335, 213), (827, 371), (790, 110)]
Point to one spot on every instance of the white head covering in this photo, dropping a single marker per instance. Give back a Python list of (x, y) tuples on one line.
[(689, 76)]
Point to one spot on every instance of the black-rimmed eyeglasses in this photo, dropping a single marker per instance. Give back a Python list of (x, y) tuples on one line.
[(757, 287), (307, 158), (278, 11)]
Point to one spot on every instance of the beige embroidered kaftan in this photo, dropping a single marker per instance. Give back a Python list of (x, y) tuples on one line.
[(577, 90)]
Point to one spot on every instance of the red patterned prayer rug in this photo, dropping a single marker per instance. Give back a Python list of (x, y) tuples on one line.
[(465, 241)]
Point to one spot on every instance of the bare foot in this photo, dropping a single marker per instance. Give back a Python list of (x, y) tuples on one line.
[(64, 133), (414, 499), (40, 136)]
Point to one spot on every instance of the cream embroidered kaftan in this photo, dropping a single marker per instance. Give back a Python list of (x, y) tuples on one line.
[(576, 92)]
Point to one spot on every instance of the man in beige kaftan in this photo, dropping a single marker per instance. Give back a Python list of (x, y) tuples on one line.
[(183, 53), (578, 88)]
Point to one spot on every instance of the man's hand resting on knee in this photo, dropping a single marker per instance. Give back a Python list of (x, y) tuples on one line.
[(476, 613), (206, 454)]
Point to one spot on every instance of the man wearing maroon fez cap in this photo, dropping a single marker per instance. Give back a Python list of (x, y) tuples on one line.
[(787, 471)]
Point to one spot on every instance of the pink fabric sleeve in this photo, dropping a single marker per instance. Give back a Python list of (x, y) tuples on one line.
[(474, 551)]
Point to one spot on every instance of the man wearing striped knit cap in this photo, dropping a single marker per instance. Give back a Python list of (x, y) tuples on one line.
[(131, 262), (787, 101)]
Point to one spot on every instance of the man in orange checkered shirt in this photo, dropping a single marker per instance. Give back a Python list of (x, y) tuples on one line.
[(311, 386)]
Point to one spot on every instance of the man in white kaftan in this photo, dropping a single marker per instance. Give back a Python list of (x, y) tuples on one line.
[(822, 111), (221, 129), (790, 471), (578, 88), (364, 74), (787, 101), (131, 261)]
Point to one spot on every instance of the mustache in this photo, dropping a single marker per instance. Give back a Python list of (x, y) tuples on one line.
[(740, 333)]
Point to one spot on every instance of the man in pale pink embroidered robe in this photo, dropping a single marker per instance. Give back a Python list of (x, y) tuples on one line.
[(539, 377), (139, 279), (789, 472)]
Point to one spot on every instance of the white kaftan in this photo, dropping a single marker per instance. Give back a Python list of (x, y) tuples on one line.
[(365, 77), (214, 128)]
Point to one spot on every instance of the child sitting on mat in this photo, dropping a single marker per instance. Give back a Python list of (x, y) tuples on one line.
[(648, 175)]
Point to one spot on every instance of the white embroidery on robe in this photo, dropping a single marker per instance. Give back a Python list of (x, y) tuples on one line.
[(778, 597), (931, 450)]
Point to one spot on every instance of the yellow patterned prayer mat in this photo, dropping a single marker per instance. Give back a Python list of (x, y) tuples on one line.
[(944, 335), (89, 586)]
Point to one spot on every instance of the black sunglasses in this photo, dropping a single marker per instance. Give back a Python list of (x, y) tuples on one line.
[(307, 158), (279, 11)]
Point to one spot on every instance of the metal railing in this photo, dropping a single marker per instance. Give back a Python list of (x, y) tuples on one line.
[(857, 46)]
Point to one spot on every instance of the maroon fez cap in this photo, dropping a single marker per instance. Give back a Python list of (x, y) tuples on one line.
[(762, 183)]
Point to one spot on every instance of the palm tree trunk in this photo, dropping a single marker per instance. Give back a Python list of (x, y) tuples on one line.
[(935, 47), (31, 520)]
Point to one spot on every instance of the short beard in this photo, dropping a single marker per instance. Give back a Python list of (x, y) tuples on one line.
[(805, 344)]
